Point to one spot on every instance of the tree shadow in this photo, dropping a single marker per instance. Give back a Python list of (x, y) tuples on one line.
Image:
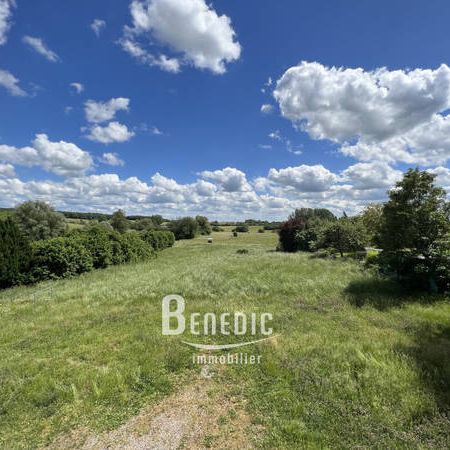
[(384, 293), (431, 353)]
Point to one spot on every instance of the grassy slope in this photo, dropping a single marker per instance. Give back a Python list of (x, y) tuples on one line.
[(356, 363)]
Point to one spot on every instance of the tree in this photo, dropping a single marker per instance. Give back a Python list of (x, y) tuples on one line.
[(344, 235), (372, 218), (184, 228), (288, 234), (39, 221), (15, 253), (157, 219), (241, 228), (143, 224), (119, 221), (416, 215), (308, 214), (204, 226)]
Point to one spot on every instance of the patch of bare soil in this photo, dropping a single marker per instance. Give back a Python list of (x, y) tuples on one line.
[(205, 414)]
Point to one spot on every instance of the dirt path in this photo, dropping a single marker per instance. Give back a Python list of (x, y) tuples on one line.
[(203, 415)]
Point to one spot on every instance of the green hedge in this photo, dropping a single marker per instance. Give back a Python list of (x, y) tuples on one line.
[(159, 239), (59, 258)]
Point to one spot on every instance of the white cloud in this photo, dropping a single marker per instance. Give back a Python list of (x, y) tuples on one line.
[(6, 7), (267, 108), (97, 26), (275, 135), (111, 159), (191, 29), (7, 171), (156, 131), (304, 178), (98, 112), (442, 177), (78, 87), (39, 46), (229, 179), (373, 175), (11, 84), (61, 158), (113, 132), (387, 115)]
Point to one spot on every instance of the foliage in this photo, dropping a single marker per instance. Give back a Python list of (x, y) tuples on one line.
[(242, 251), (344, 235), (119, 222), (58, 258), (416, 214), (142, 224), (204, 226), (135, 248), (308, 214), (38, 220), (288, 233), (241, 229), (159, 239), (217, 229), (372, 218), (14, 253), (96, 240), (184, 228), (415, 233), (261, 230)]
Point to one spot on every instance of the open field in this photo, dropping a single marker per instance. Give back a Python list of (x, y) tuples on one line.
[(357, 362)]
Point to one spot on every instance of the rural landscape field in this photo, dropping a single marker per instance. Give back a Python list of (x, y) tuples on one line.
[(224, 225), (356, 361)]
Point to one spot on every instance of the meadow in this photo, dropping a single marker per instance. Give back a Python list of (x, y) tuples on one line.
[(357, 361)]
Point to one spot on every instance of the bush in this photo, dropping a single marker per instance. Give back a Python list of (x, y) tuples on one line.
[(217, 229), (96, 240), (39, 221), (159, 240), (14, 253), (344, 235), (288, 234), (261, 230), (184, 228), (58, 258), (241, 229), (204, 226), (135, 248), (119, 221), (235, 234), (242, 251)]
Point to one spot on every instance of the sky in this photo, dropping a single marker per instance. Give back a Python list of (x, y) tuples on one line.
[(229, 109)]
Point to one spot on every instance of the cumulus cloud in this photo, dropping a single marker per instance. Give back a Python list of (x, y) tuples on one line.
[(385, 115), (229, 179), (373, 175), (113, 132), (11, 84), (6, 7), (442, 177), (7, 171), (111, 159), (97, 26), (77, 87), (61, 158), (39, 46), (304, 178), (98, 112), (191, 29)]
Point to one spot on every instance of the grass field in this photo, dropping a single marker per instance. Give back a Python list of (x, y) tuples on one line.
[(357, 362)]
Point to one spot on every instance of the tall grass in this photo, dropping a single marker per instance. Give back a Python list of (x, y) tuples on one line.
[(357, 362)]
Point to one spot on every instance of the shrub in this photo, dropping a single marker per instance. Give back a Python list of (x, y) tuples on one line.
[(204, 226), (241, 229), (288, 232), (119, 221), (184, 228), (96, 240), (39, 221), (344, 235), (135, 248), (242, 251), (58, 258), (14, 253), (235, 234), (217, 229), (261, 230), (159, 239)]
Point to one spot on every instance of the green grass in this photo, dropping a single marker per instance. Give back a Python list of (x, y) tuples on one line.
[(357, 363)]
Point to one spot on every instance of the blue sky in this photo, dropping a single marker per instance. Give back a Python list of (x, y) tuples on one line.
[(175, 89)]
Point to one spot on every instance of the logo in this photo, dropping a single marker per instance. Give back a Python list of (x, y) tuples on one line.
[(175, 322)]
